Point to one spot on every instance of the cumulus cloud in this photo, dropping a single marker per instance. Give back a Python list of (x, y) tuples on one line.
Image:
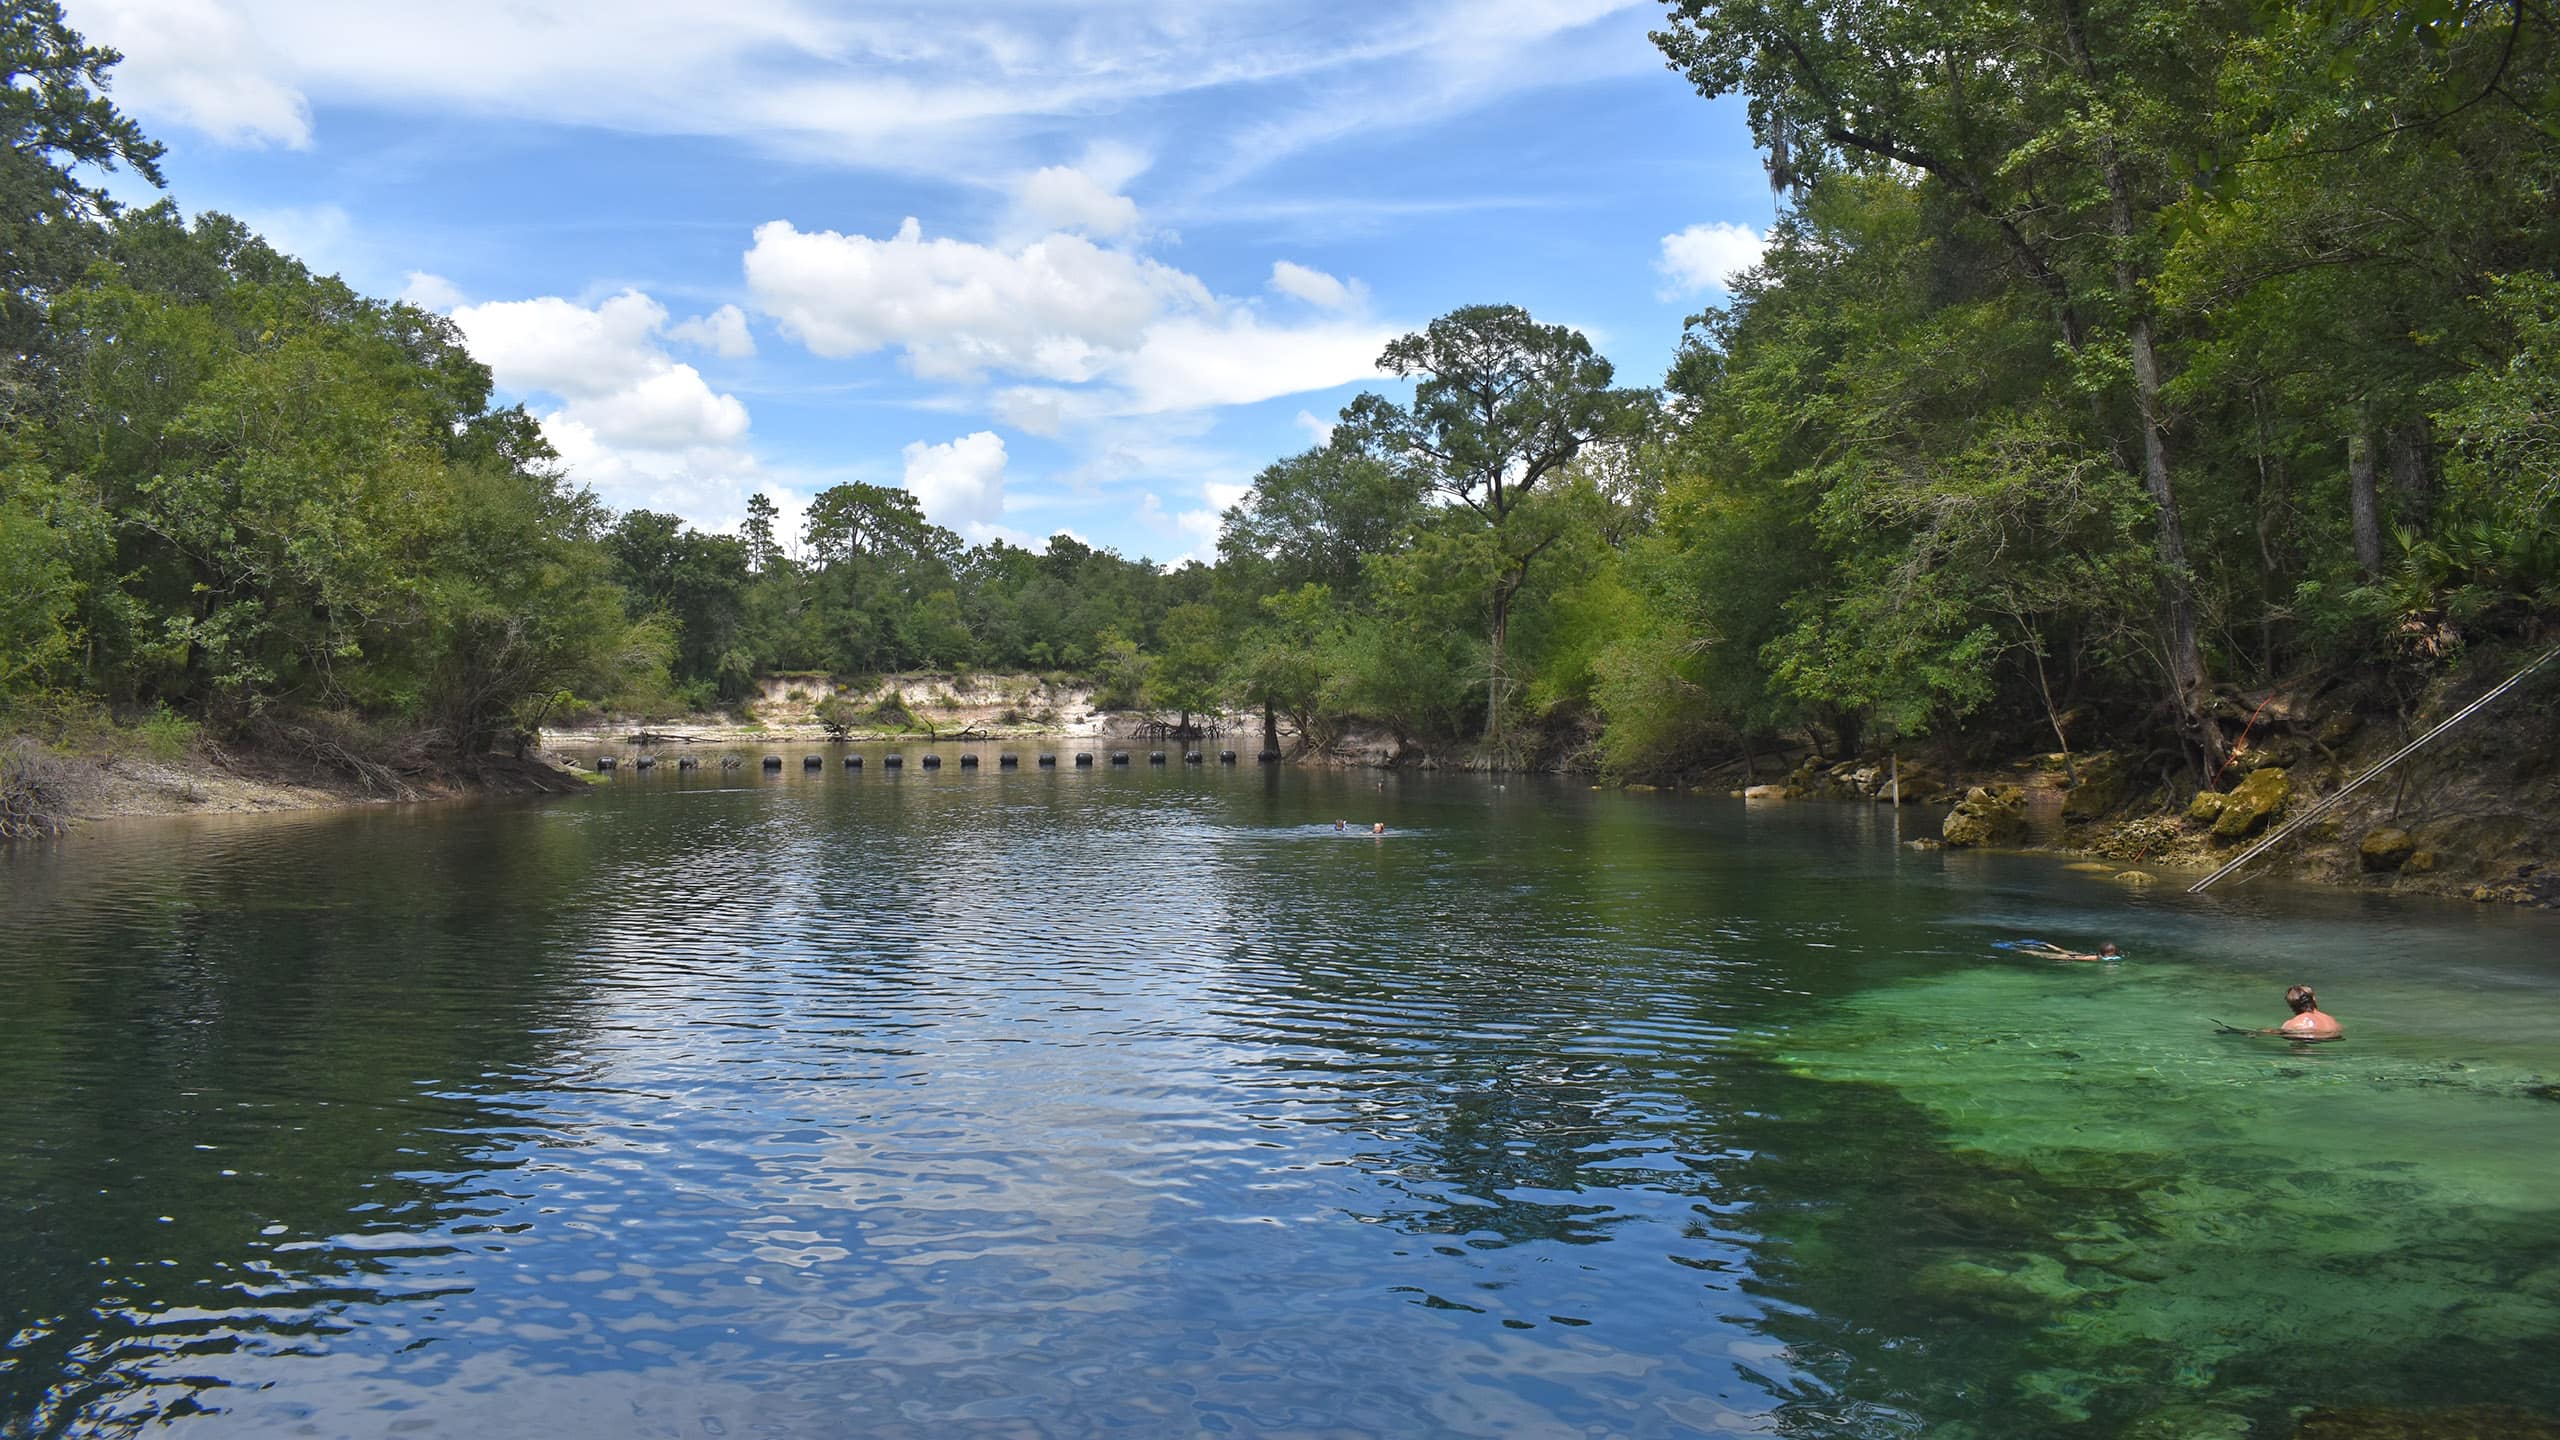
[(1707, 257), (633, 422), (1320, 431), (431, 292), (960, 483), (1317, 288), (723, 332), (1061, 197), (1055, 309), (1059, 309)]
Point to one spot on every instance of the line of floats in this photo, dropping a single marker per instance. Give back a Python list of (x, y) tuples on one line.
[(1083, 761)]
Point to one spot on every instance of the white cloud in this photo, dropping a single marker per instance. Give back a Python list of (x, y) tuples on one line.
[(1056, 309), (1032, 409), (1061, 197), (1320, 431), (1317, 288), (431, 292), (204, 65), (1060, 309), (723, 332), (1191, 363), (1708, 256), (640, 427), (896, 83), (565, 348), (960, 483)]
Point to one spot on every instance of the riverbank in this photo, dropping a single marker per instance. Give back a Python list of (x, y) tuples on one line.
[(52, 788), (2475, 816)]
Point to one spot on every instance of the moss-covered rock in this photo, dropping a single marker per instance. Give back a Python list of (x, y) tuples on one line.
[(2386, 848), (2207, 806), (2247, 809), (2103, 782), (1996, 818)]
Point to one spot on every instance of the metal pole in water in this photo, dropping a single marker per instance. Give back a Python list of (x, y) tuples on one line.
[(2352, 786)]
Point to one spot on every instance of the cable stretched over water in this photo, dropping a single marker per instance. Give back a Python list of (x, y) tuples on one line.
[(2396, 756)]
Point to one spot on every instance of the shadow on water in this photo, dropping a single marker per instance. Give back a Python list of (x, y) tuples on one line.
[(1046, 1102)]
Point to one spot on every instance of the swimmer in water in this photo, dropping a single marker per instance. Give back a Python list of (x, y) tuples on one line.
[(2108, 951), (2309, 1021), (1338, 826), (1379, 828)]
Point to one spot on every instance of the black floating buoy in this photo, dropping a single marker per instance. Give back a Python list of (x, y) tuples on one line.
[(1119, 757), (812, 762), (968, 762), (1226, 757), (687, 762), (853, 762), (1008, 762), (1083, 761), (773, 762), (606, 762), (933, 762), (893, 761), (1268, 757), (1155, 757), (1190, 757), (644, 762), (1048, 762)]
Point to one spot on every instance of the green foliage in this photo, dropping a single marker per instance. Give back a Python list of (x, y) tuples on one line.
[(1189, 671), (1120, 674)]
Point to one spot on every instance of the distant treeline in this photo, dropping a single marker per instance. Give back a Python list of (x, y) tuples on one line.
[(2106, 360)]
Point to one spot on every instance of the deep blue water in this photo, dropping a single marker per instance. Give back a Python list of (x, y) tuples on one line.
[(1067, 1103)]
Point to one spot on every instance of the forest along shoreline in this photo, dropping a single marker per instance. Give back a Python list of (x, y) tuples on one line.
[(2476, 816)]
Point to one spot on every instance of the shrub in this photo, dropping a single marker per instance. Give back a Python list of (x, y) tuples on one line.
[(837, 715), (891, 713), (37, 790)]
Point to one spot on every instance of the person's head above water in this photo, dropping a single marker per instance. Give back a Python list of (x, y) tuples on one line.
[(1378, 828), (2109, 951), (2301, 999)]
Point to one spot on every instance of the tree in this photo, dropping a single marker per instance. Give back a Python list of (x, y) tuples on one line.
[(2059, 128), (757, 531), (1190, 666), (1502, 404), (55, 121), (1314, 518)]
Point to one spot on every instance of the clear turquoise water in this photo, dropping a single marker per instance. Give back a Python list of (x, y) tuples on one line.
[(1067, 1103)]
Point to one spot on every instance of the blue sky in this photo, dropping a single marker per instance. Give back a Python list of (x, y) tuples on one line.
[(1059, 266)]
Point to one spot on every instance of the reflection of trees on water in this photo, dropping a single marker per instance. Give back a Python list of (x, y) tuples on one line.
[(225, 1048)]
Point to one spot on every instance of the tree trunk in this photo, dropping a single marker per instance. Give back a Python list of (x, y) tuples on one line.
[(1270, 728), (2363, 505), (2187, 677), (2412, 472), (1502, 592)]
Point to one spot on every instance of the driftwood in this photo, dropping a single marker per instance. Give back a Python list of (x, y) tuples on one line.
[(652, 737)]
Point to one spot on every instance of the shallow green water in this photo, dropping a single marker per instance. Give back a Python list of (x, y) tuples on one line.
[(1060, 1103)]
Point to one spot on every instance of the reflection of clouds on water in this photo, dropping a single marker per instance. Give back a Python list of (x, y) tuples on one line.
[(1068, 1103)]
